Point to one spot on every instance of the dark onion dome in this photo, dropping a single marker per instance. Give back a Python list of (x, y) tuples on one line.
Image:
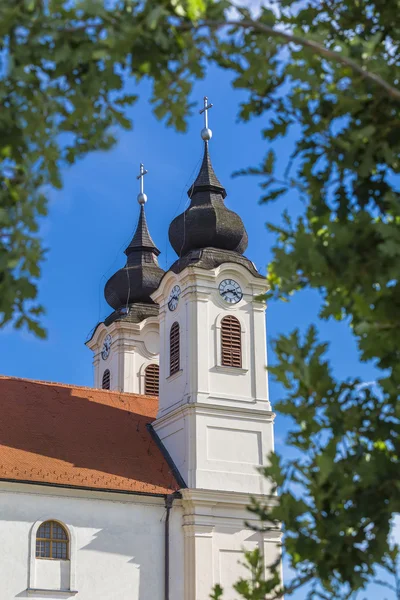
[(141, 275), (207, 222)]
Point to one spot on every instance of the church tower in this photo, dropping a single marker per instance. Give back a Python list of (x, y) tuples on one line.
[(214, 415), (126, 344)]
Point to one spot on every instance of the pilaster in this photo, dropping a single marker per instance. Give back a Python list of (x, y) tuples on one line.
[(216, 538)]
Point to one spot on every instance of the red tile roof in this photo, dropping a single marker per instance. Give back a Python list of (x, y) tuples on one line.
[(78, 436)]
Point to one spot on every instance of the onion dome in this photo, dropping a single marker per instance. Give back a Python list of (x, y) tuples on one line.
[(142, 274), (207, 222)]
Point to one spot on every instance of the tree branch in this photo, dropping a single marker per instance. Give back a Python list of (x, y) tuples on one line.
[(289, 37)]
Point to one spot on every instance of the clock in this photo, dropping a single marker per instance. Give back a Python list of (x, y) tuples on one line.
[(106, 347), (174, 297), (230, 291)]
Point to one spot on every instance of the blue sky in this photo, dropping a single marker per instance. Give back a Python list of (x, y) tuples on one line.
[(92, 219)]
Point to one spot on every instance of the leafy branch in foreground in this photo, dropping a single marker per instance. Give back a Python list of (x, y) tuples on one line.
[(339, 495), (62, 73), (63, 69)]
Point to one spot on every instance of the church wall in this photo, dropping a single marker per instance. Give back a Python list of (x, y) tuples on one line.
[(117, 544), (215, 421), (199, 314), (134, 346), (215, 537)]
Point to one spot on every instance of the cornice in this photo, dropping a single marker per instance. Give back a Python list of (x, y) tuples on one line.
[(90, 494), (125, 337), (197, 496), (193, 276), (203, 408)]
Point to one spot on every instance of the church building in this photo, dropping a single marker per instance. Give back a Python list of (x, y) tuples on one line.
[(137, 488)]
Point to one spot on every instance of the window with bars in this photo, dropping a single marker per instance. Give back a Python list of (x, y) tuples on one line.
[(231, 342), (151, 380), (174, 349), (52, 541), (105, 384)]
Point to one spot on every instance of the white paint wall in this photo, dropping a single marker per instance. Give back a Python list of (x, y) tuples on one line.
[(199, 313), (215, 421), (119, 542), (215, 538)]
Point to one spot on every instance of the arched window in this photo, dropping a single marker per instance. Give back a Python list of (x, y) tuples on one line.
[(231, 342), (174, 349), (52, 541), (105, 384), (151, 380)]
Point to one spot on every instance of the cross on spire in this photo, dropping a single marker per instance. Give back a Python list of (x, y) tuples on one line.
[(206, 132), (142, 198)]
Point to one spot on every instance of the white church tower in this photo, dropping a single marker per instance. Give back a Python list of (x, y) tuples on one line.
[(214, 415), (196, 337), (126, 344)]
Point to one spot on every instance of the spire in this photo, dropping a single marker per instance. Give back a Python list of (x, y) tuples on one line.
[(207, 222), (206, 180), (142, 239), (141, 275)]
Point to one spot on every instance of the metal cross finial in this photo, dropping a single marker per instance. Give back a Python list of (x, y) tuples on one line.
[(142, 198), (206, 132)]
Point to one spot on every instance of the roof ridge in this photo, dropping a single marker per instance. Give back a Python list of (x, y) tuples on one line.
[(72, 385)]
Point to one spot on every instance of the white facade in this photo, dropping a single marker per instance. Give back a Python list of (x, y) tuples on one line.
[(134, 346), (215, 421), (215, 538), (117, 545)]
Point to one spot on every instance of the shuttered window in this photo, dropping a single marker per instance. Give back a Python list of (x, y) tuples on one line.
[(105, 384), (174, 349), (231, 342), (151, 380), (52, 541)]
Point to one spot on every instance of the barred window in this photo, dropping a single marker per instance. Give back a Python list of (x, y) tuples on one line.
[(174, 349), (105, 384), (231, 342), (151, 380), (52, 541)]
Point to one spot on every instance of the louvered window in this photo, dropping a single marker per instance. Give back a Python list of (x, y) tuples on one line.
[(231, 342), (174, 349), (151, 380), (52, 541), (105, 384)]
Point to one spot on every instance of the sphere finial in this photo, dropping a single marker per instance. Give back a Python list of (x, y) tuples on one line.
[(206, 133), (142, 197)]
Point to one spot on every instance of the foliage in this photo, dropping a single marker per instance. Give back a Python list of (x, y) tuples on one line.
[(338, 496), (328, 67), (62, 71)]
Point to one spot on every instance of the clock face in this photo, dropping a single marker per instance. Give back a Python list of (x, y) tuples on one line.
[(106, 347), (174, 297), (230, 291)]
